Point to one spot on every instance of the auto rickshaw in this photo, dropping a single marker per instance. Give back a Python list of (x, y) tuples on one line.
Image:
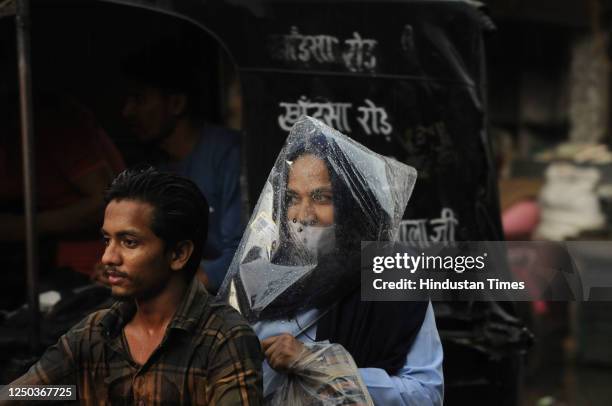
[(405, 78)]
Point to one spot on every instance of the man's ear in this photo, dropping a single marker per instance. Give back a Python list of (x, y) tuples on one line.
[(180, 254), (177, 103)]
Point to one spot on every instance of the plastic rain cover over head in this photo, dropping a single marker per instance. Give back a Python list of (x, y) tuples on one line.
[(301, 249)]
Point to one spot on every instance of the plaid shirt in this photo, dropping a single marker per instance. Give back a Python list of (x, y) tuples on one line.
[(208, 356)]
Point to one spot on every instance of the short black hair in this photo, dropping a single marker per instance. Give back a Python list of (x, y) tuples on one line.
[(174, 67), (180, 210)]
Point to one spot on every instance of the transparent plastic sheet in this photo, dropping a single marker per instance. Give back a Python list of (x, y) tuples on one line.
[(325, 194), (324, 374)]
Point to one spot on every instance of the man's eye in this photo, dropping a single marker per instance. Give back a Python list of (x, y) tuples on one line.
[(130, 243), (321, 198), (105, 241), (291, 199)]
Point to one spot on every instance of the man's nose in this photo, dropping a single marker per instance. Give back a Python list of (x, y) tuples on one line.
[(306, 214), (111, 255)]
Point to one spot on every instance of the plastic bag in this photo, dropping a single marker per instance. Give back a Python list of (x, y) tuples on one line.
[(324, 374), (302, 248)]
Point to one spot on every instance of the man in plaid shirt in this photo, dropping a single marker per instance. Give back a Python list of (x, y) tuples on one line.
[(165, 341)]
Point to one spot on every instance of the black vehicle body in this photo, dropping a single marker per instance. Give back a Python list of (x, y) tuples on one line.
[(405, 78)]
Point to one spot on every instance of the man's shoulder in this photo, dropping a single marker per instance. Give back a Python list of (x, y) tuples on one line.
[(96, 317), (104, 319), (221, 137), (90, 329), (234, 340), (226, 320)]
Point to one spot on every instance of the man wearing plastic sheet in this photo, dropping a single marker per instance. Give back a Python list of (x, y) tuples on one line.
[(296, 277)]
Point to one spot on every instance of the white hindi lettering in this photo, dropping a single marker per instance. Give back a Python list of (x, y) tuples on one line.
[(333, 114), (293, 111), (416, 231), (360, 53), (373, 119), (291, 44), (317, 47), (444, 226), (357, 54)]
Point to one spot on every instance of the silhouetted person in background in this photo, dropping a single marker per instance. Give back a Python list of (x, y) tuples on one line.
[(75, 161), (164, 107)]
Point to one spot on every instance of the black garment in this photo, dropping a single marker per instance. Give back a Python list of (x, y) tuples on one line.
[(376, 334)]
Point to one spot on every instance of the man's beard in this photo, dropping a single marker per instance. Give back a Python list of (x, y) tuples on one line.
[(166, 131), (145, 295)]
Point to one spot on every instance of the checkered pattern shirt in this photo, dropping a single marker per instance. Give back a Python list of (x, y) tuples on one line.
[(208, 356)]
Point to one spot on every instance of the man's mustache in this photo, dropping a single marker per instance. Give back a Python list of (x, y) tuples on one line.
[(112, 271)]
